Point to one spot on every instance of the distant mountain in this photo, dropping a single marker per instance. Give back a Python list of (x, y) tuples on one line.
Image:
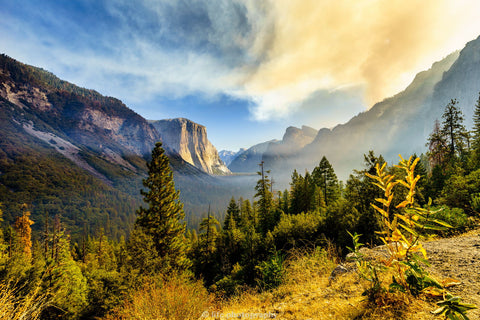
[(461, 82), (189, 140), (248, 160), (293, 141), (397, 125), (228, 156)]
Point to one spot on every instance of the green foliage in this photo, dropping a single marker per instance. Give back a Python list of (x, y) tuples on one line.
[(458, 190), (455, 217), (161, 220), (297, 230), (325, 178), (453, 309), (272, 271), (368, 270)]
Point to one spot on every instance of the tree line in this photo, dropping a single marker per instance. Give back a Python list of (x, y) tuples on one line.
[(92, 276)]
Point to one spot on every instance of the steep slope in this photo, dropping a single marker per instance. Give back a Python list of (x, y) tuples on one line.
[(461, 82), (189, 140), (248, 160), (399, 124)]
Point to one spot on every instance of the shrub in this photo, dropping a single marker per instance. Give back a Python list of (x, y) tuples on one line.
[(455, 217), (272, 272), (175, 298)]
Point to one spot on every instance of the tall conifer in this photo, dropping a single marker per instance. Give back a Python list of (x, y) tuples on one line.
[(162, 219)]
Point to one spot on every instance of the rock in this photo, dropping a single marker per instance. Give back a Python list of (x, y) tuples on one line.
[(189, 140)]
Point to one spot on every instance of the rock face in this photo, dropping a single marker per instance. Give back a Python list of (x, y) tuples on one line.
[(189, 140), (88, 122), (461, 82)]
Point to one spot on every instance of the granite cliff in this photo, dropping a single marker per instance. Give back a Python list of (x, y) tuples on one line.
[(189, 140)]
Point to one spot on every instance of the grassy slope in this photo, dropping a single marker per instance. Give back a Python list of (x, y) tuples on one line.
[(306, 293)]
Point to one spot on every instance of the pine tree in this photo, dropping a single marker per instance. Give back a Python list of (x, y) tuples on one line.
[(265, 201), (453, 128), (210, 233), (233, 213), (437, 146), (324, 177), (476, 131), (161, 220)]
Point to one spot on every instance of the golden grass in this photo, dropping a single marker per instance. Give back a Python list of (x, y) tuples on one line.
[(174, 298), (307, 295), (15, 307)]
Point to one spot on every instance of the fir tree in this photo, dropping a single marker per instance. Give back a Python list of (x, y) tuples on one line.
[(210, 233), (453, 128), (233, 213), (476, 131), (24, 231), (265, 201), (324, 176), (161, 220)]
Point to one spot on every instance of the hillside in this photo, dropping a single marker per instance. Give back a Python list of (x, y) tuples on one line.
[(308, 293), (399, 124), (71, 151)]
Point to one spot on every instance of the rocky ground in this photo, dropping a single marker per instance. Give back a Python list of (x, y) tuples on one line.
[(458, 258)]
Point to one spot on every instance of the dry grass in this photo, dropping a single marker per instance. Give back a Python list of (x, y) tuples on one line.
[(307, 295), (176, 298), (16, 307)]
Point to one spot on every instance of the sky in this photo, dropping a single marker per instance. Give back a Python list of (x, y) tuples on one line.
[(246, 69)]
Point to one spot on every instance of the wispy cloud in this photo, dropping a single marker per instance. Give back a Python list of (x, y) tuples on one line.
[(321, 44), (277, 54)]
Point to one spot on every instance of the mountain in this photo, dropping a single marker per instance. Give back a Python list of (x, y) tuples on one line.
[(293, 141), (228, 156), (397, 125), (189, 140), (461, 82), (248, 160), (70, 151)]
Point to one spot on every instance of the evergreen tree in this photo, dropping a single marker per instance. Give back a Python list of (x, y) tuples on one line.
[(476, 132), (233, 213), (437, 146), (161, 220), (324, 177), (453, 129), (265, 201), (303, 196), (24, 231), (210, 233), (359, 192)]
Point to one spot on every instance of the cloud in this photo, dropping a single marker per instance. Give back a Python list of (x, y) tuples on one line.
[(321, 44), (277, 54)]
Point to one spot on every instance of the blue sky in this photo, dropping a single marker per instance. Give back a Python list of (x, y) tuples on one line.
[(245, 69)]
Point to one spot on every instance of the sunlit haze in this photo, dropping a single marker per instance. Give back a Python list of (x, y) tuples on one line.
[(244, 69)]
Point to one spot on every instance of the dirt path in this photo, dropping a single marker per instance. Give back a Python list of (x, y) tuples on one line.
[(458, 258)]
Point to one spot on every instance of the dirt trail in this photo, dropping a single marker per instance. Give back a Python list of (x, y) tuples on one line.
[(458, 258)]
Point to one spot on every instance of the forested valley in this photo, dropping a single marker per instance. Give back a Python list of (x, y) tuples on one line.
[(164, 270)]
